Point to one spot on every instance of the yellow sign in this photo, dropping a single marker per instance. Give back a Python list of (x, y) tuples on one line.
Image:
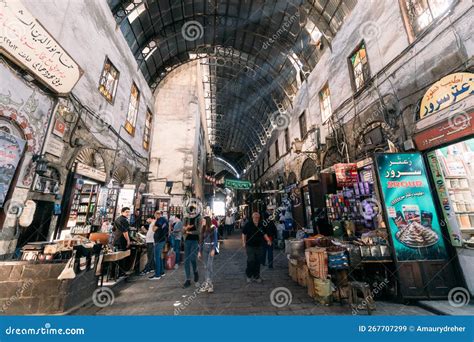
[(26, 41), (447, 91)]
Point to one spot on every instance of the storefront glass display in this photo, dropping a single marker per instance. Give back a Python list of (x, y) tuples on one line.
[(456, 163), (83, 204)]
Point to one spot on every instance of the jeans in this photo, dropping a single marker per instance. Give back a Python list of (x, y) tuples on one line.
[(191, 248), (150, 257), (208, 260), (176, 244), (254, 255), (268, 251), (159, 269)]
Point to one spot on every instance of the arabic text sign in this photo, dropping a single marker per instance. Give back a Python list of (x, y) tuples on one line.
[(409, 206), (447, 91), (445, 132), (26, 41), (238, 184)]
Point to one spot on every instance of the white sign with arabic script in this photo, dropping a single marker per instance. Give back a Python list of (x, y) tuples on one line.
[(26, 41), (446, 92)]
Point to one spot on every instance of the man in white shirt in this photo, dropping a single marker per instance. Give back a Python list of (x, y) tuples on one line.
[(229, 223), (150, 251)]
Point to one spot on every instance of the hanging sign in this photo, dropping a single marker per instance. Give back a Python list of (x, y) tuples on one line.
[(90, 172), (238, 184), (409, 206), (446, 92), (346, 174), (11, 150), (26, 41)]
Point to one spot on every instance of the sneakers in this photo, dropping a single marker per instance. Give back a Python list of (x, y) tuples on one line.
[(258, 280), (154, 278), (162, 274), (249, 280), (176, 266), (204, 287), (210, 288), (196, 277), (186, 284)]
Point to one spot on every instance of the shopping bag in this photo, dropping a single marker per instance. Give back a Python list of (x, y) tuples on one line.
[(170, 260)]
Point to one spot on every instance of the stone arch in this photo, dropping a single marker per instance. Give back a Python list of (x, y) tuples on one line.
[(122, 175), (308, 169), (291, 178), (91, 157), (22, 124), (386, 131)]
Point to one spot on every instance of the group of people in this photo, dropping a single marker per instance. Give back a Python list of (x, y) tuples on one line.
[(200, 242)]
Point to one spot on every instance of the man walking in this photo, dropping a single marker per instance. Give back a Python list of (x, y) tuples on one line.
[(160, 235), (253, 239), (229, 223), (191, 246)]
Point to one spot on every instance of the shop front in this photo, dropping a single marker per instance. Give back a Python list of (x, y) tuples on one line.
[(445, 135)]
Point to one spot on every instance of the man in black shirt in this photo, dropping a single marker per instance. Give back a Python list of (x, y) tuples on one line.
[(253, 239), (120, 230), (271, 230)]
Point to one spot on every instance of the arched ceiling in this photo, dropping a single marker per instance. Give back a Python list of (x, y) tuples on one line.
[(253, 54)]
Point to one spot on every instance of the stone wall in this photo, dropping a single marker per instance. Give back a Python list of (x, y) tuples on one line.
[(33, 289), (400, 71)]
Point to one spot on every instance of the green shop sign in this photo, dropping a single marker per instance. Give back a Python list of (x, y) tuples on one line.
[(238, 184)]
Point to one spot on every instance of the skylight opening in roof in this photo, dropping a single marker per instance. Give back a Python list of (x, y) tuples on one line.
[(313, 31), (136, 12)]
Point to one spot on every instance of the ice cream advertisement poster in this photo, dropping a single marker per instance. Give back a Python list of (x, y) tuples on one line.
[(410, 209)]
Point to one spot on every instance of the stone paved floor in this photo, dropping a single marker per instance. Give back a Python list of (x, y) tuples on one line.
[(232, 296)]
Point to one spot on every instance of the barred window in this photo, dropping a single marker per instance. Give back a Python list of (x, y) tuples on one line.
[(147, 132), (132, 110), (360, 67), (421, 13), (325, 103), (108, 81)]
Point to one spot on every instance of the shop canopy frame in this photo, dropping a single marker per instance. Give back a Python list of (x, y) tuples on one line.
[(257, 53)]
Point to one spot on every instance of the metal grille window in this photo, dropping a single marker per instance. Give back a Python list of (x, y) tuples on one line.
[(360, 67), (303, 128), (108, 81), (147, 132), (277, 150), (132, 110), (287, 140), (421, 13), (325, 103)]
